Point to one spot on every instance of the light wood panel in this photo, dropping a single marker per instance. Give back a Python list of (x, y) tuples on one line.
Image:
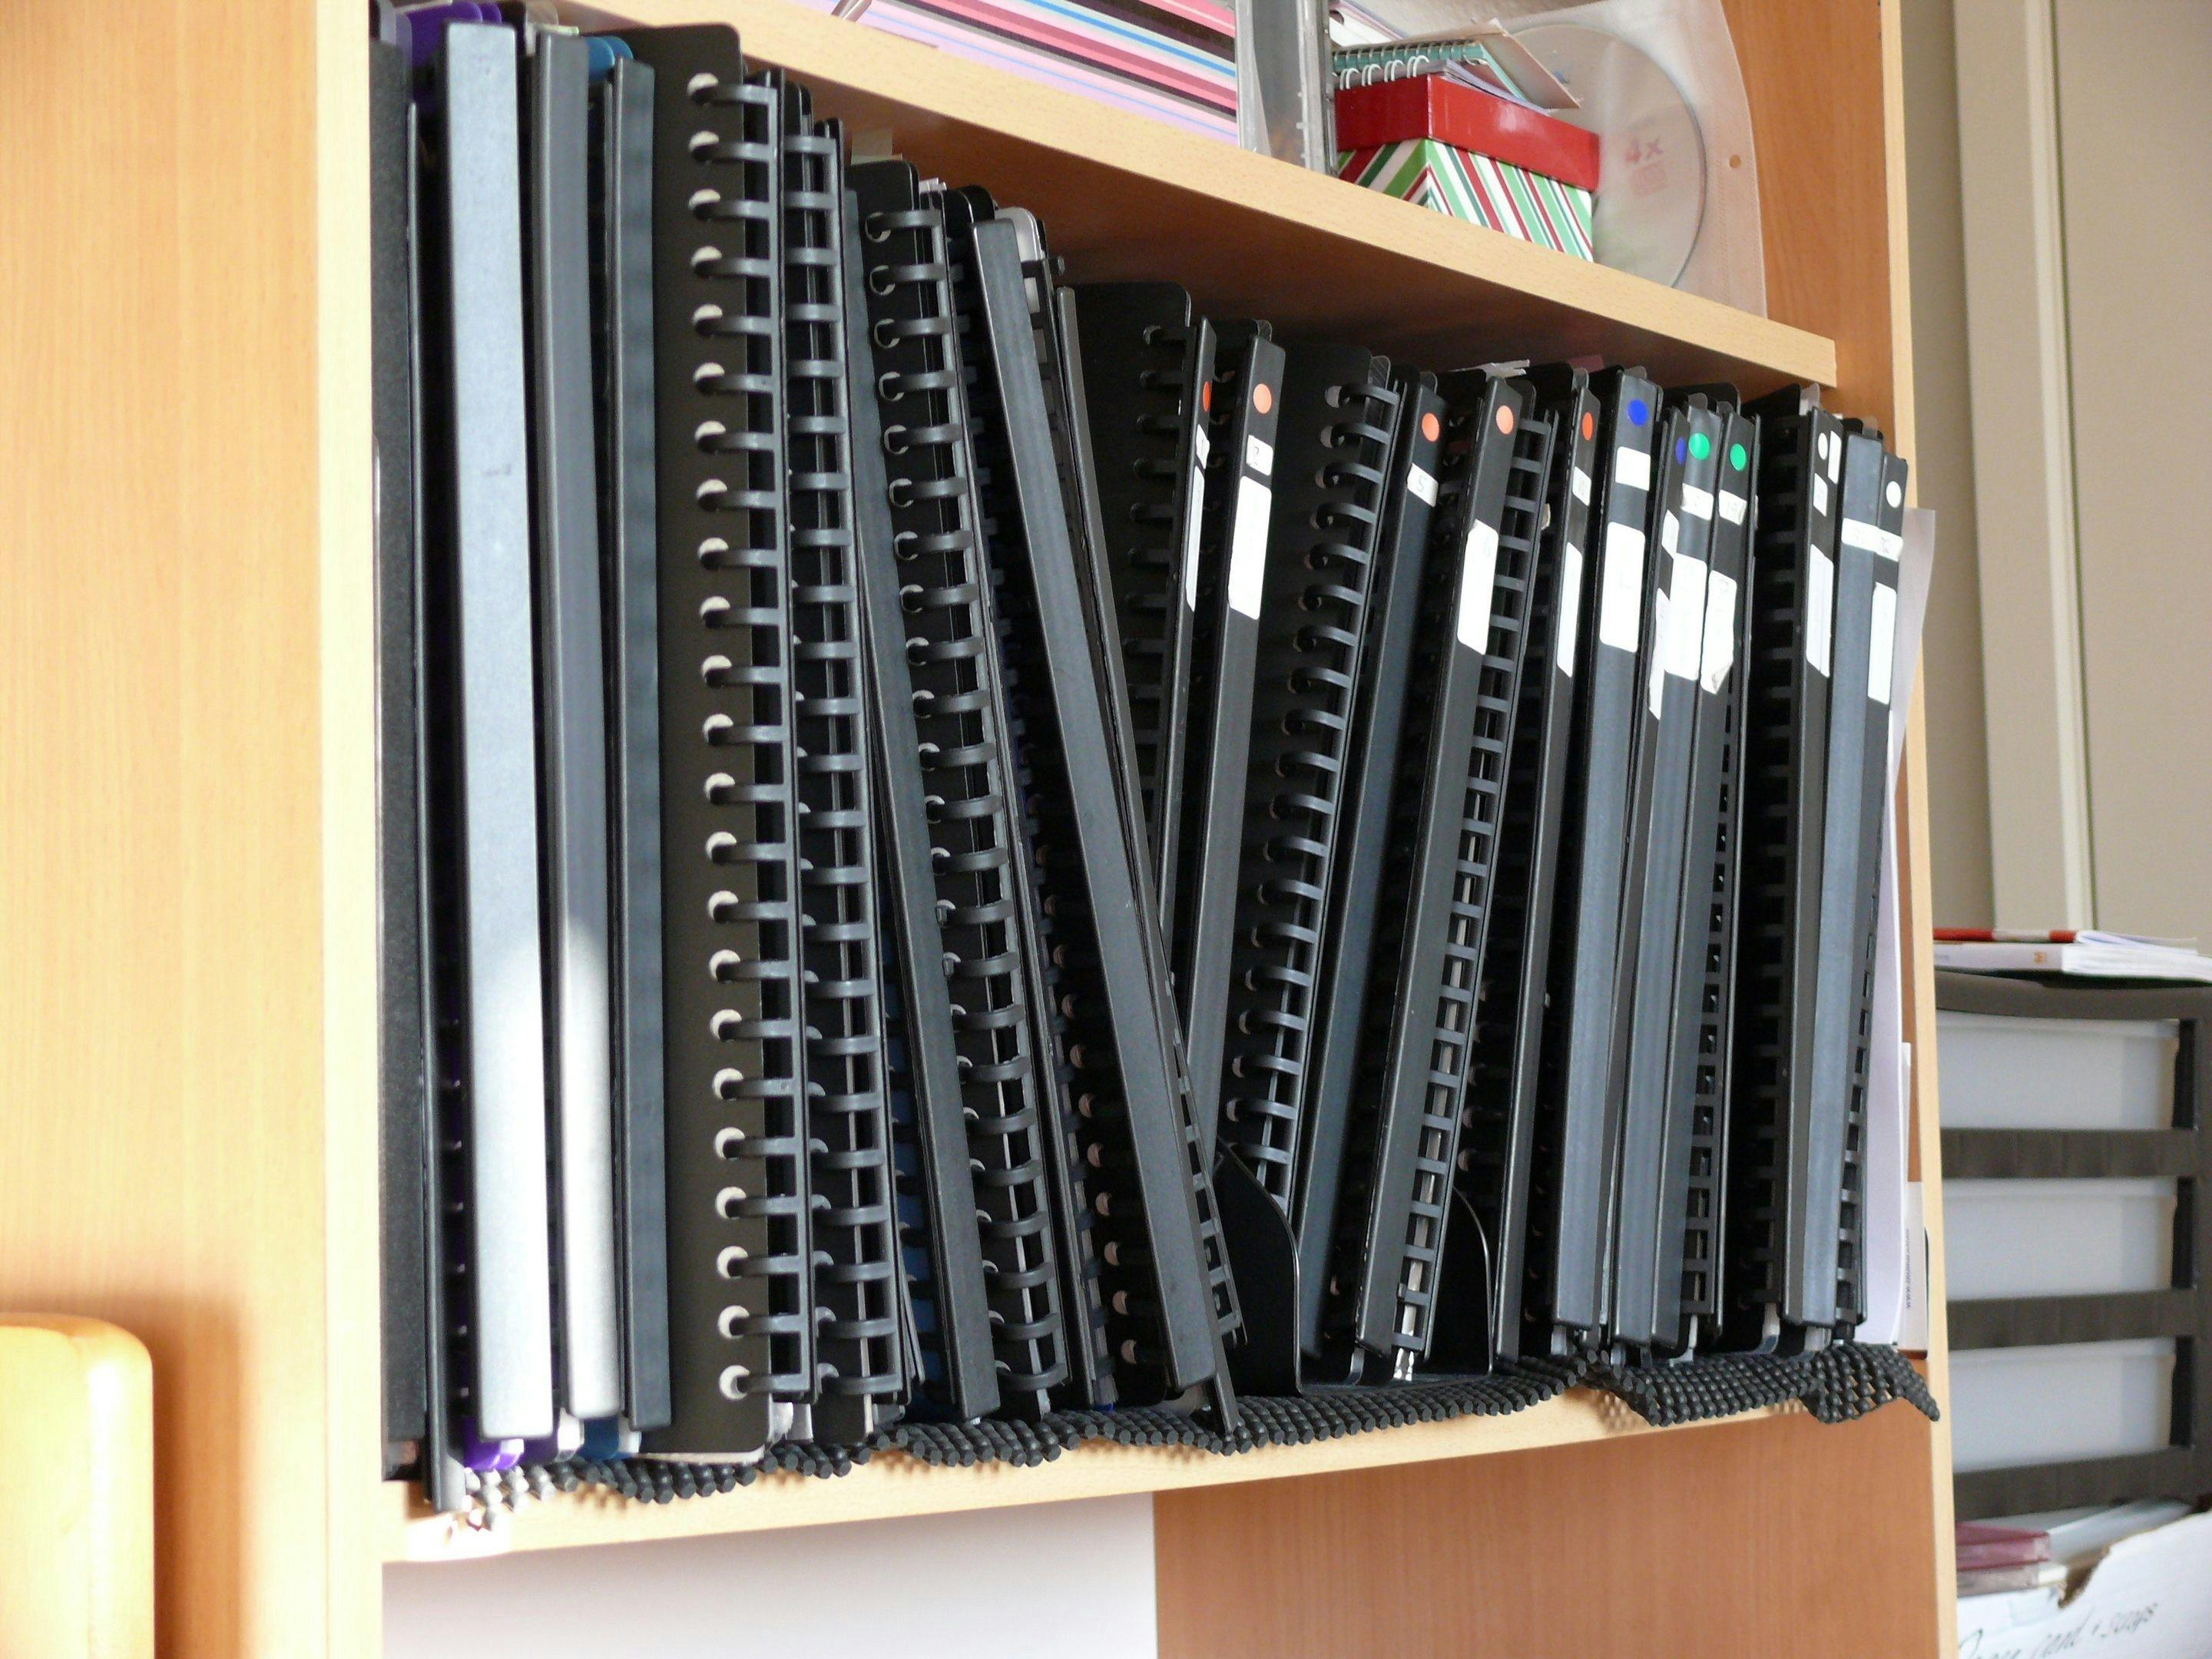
[(161, 919), (1125, 196), (895, 1484), (77, 1489), (1764, 1539)]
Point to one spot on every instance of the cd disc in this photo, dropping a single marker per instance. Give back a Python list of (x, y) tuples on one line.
[(1651, 171)]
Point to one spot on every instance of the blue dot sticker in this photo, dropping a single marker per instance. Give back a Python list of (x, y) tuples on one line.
[(1638, 411), (1681, 451)]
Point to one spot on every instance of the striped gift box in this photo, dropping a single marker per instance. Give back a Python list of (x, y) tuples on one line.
[(1478, 188), (1172, 59)]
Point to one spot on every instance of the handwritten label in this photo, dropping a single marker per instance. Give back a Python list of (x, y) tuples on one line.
[(1698, 503), (1733, 507), (1632, 469), (1720, 632), (1422, 482), (1478, 580), (1686, 612), (1821, 611), (1570, 607), (1881, 649), (1620, 605), (1247, 546)]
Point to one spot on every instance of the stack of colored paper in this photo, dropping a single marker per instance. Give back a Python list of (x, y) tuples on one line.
[(1448, 137), (1175, 59)]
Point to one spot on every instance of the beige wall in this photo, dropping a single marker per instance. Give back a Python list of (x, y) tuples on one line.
[(1951, 661), (2135, 124)]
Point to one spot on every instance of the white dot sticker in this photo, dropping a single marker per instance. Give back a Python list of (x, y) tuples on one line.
[(1824, 445), (1895, 494)]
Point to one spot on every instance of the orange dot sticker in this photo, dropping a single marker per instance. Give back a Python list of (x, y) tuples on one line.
[(1505, 418), (1589, 425), (1205, 396), (1431, 427), (1263, 397)]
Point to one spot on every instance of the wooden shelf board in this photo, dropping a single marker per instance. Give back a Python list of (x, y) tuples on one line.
[(1124, 196), (893, 1485)]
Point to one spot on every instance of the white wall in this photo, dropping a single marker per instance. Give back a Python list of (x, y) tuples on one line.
[(2135, 121), (1943, 468), (1069, 1581)]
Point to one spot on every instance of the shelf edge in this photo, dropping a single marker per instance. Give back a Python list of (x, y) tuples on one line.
[(893, 1486)]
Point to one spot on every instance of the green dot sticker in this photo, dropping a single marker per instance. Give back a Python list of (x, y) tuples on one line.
[(1700, 445), (1737, 459)]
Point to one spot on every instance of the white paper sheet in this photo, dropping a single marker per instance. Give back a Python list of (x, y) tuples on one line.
[(1889, 1065)]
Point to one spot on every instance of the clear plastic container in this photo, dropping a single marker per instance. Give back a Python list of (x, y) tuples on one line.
[(2006, 1238), (1999, 1071), (2016, 1406)]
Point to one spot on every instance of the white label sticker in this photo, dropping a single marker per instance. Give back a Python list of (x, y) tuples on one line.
[(1247, 546), (1858, 533), (1835, 461), (1260, 456), (1478, 579), (1201, 442), (1881, 649), (1669, 534), (1193, 518), (1422, 482), (1582, 484), (1821, 496), (1620, 607), (1686, 612), (1733, 507), (1720, 632), (1698, 503), (1820, 610), (1892, 545), (1658, 658), (1632, 468), (1570, 607)]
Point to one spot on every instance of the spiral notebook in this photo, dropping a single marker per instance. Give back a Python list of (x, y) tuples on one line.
[(482, 777), (964, 770), (572, 721), (1367, 851), (1871, 514), (1338, 425), (1505, 1167), (1574, 1224), (952, 1365), (404, 1018), (1693, 1148), (1148, 361), (1237, 439), (1394, 1245), (1786, 728), (1641, 1257), (623, 342), (861, 1360), (742, 1321)]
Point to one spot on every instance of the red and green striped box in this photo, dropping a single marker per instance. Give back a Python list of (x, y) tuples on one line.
[(1532, 206)]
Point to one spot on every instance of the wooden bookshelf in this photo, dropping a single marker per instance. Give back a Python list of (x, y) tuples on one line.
[(895, 1484), (187, 986), (1123, 195)]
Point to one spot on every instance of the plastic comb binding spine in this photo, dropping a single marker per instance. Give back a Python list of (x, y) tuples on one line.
[(740, 1286), (862, 1379), (960, 717)]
